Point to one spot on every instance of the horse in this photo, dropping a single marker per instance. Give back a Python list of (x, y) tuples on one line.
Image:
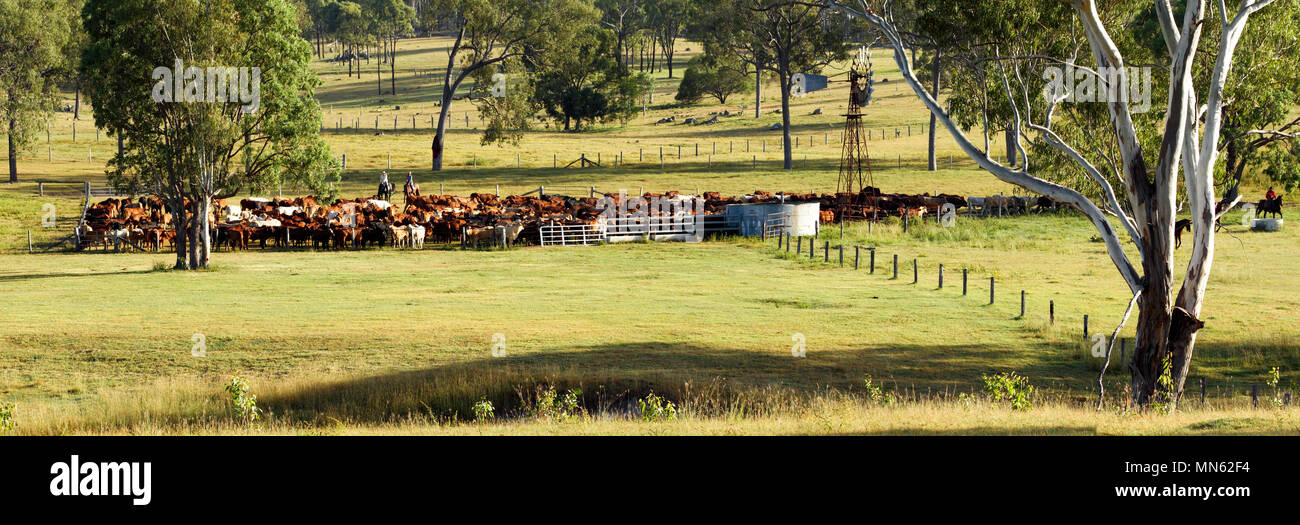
[(1267, 206), (385, 192), (409, 190), (1180, 227)]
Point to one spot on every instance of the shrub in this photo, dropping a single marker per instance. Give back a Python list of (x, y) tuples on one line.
[(483, 410), (551, 406), (655, 408), (1011, 387), (1274, 378), (877, 394), (7, 417), (243, 403)]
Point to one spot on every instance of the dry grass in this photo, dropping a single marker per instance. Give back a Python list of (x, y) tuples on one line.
[(424, 404)]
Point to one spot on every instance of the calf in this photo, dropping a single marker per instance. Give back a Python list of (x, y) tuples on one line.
[(401, 236)]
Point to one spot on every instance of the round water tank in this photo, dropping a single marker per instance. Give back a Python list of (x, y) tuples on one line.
[(1266, 225)]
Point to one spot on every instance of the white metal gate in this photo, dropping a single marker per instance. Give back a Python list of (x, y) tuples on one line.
[(572, 234)]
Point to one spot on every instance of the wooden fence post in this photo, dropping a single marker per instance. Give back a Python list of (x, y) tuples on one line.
[(800, 250), (991, 290), (1085, 326), (1202, 391), (940, 276), (873, 260), (827, 252), (963, 281), (895, 266), (1022, 304), (857, 251), (916, 275), (841, 255), (1051, 312)]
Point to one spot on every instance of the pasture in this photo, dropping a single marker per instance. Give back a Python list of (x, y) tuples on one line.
[(400, 341)]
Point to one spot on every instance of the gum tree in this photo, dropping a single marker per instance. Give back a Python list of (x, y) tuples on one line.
[(199, 146), (778, 36), (33, 35), (1187, 141), (489, 32)]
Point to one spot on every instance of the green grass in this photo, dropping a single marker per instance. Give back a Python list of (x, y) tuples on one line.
[(399, 341)]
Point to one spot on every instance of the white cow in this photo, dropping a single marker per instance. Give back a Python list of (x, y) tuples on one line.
[(417, 236)]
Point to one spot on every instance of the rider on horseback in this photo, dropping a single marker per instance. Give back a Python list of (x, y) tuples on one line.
[(410, 188), (1271, 194), (385, 187)]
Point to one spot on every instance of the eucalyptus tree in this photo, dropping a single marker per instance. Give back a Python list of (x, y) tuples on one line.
[(624, 18), (1186, 141), (33, 36), (666, 20), (213, 98), (391, 19), (490, 32), (779, 36)]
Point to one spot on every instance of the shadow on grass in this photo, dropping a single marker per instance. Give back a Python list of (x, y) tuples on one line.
[(612, 377)]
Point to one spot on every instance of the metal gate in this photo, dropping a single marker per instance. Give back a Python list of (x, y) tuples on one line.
[(572, 234)]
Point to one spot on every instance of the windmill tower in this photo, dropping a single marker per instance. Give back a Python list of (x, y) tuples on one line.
[(855, 160)]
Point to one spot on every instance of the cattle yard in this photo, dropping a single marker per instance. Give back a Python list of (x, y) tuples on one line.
[(339, 336), (480, 219)]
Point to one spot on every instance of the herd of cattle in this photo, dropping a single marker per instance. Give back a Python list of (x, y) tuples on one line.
[(480, 218)]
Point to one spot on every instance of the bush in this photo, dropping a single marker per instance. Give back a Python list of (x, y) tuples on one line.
[(877, 394), (551, 406), (1010, 387), (7, 417), (707, 75), (655, 408), (243, 403), (483, 410)]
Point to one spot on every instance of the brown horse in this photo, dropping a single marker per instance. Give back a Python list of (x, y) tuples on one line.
[(410, 189), (1180, 227)]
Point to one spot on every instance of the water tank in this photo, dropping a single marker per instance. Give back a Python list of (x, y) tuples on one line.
[(804, 218), (801, 218), (1266, 225)]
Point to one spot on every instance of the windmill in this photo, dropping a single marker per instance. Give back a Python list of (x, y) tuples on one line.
[(855, 160)]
